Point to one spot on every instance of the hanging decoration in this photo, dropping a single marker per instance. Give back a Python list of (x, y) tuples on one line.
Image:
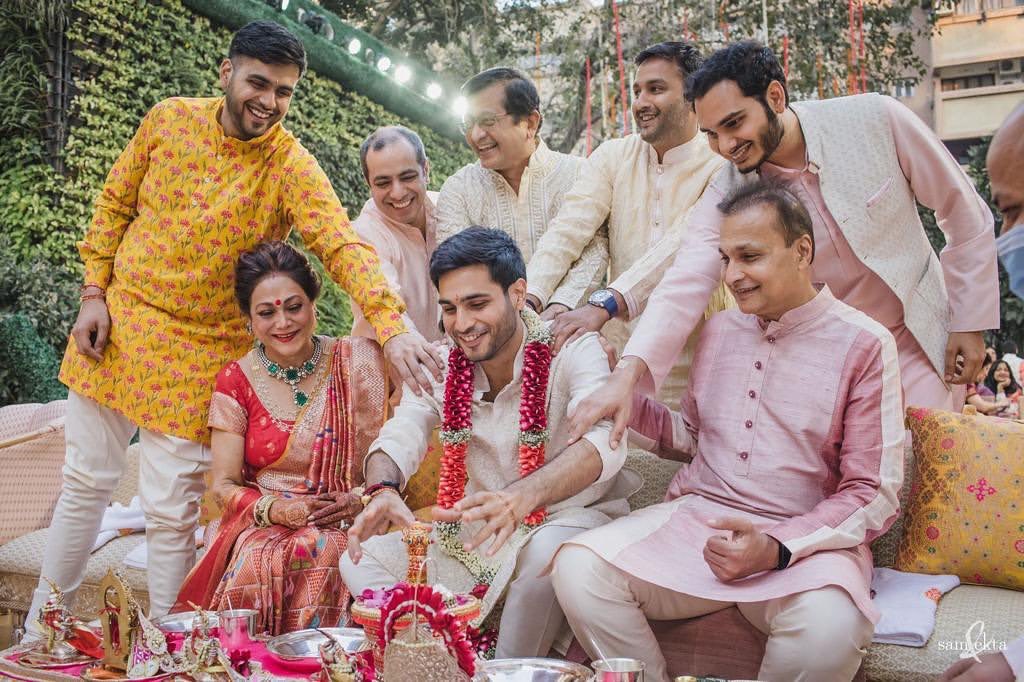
[(851, 77), (536, 59), (586, 109), (785, 55), (627, 123), (861, 54)]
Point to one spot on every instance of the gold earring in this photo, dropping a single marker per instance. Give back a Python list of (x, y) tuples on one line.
[(248, 327)]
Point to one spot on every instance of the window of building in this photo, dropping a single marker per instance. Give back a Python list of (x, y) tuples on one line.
[(979, 6), (903, 88), (982, 80)]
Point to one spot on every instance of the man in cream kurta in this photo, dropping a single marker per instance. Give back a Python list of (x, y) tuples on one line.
[(518, 184), (643, 186), (580, 485)]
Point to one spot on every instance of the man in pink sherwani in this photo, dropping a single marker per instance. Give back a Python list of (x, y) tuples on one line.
[(859, 165), (793, 420)]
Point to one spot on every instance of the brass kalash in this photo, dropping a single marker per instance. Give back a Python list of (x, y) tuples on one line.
[(417, 635)]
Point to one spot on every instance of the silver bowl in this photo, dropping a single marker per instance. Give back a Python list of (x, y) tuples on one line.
[(305, 644), (182, 622), (531, 670)]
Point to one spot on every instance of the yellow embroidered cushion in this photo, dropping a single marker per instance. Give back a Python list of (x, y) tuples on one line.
[(421, 492), (965, 517)]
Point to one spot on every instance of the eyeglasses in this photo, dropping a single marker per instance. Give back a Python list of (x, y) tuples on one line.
[(485, 120)]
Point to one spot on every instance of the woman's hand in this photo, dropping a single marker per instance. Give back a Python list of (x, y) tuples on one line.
[(294, 512), (340, 510)]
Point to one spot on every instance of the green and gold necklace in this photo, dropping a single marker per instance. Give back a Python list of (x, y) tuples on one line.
[(292, 375)]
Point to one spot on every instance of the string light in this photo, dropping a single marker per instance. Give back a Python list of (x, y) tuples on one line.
[(354, 46), (384, 63), (403, 74), (434, 91)]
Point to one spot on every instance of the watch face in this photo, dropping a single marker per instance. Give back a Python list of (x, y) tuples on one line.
[(600, 296)]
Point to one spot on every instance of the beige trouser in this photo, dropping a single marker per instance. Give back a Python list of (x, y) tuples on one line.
[(170, 484), (814, 635), (531, 619)]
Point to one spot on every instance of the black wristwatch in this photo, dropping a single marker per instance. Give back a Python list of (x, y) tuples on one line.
[(784, 557), (605, 298)]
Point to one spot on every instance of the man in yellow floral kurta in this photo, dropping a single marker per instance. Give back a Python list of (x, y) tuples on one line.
[(201, 181)]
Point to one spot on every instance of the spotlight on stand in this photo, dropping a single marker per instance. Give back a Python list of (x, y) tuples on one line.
[(434, 91), (403, 74), (317, 23), (279, 5), (384, 63), (354, 46)]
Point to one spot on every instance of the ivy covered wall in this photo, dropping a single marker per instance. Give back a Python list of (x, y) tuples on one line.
[(126, 56)]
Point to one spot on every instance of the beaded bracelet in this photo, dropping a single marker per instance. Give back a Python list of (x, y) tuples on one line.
[(261, 511)]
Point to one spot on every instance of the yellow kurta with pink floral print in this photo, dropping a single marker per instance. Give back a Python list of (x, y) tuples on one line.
[(179, 205)]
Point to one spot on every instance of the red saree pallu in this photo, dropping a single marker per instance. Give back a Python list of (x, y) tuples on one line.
[(290, 576)]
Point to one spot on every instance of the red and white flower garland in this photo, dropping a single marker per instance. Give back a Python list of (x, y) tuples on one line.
[(457, 429)]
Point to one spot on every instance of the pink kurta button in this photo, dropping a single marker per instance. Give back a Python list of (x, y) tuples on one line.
[(744, 455), (757, 364), (749, 424), (752, 394), (771, 339)]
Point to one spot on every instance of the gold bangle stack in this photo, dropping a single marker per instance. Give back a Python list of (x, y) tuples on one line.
[(261, 511)]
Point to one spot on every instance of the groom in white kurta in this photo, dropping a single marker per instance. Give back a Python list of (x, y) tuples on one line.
[(580, 485)]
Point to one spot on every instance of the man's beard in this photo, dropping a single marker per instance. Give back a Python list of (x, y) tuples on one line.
[(769, 139), (501, 335)]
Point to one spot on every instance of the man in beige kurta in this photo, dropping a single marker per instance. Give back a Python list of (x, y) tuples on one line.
[(580, 485), (642, 185), (518, 183), (400, 221)]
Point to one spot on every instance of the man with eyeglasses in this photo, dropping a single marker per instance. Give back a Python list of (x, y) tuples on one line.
[(643, 186), (518, 183)]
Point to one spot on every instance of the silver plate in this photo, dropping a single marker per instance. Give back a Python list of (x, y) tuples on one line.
[(531, 670), (182, 622), (303, 644)]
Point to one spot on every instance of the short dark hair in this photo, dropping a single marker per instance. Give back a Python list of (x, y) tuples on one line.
[(793, 220), (382, 137), (521, 98), (748, 63), (478, 245), (272, 258), (685, 55), (270, 43)]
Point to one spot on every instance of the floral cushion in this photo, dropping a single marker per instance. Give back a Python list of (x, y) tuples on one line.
[(965, 516)]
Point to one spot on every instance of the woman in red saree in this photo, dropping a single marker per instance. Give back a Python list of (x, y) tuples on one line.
[(291, 422)]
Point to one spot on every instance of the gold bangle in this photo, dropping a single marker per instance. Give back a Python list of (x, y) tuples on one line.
[(261, 511), (89, 297)]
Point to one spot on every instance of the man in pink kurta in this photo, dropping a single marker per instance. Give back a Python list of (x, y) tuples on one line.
[(793, 421), (400, 221), (860, 165)]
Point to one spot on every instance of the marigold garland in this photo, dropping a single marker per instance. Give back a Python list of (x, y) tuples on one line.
[(457, 429)]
